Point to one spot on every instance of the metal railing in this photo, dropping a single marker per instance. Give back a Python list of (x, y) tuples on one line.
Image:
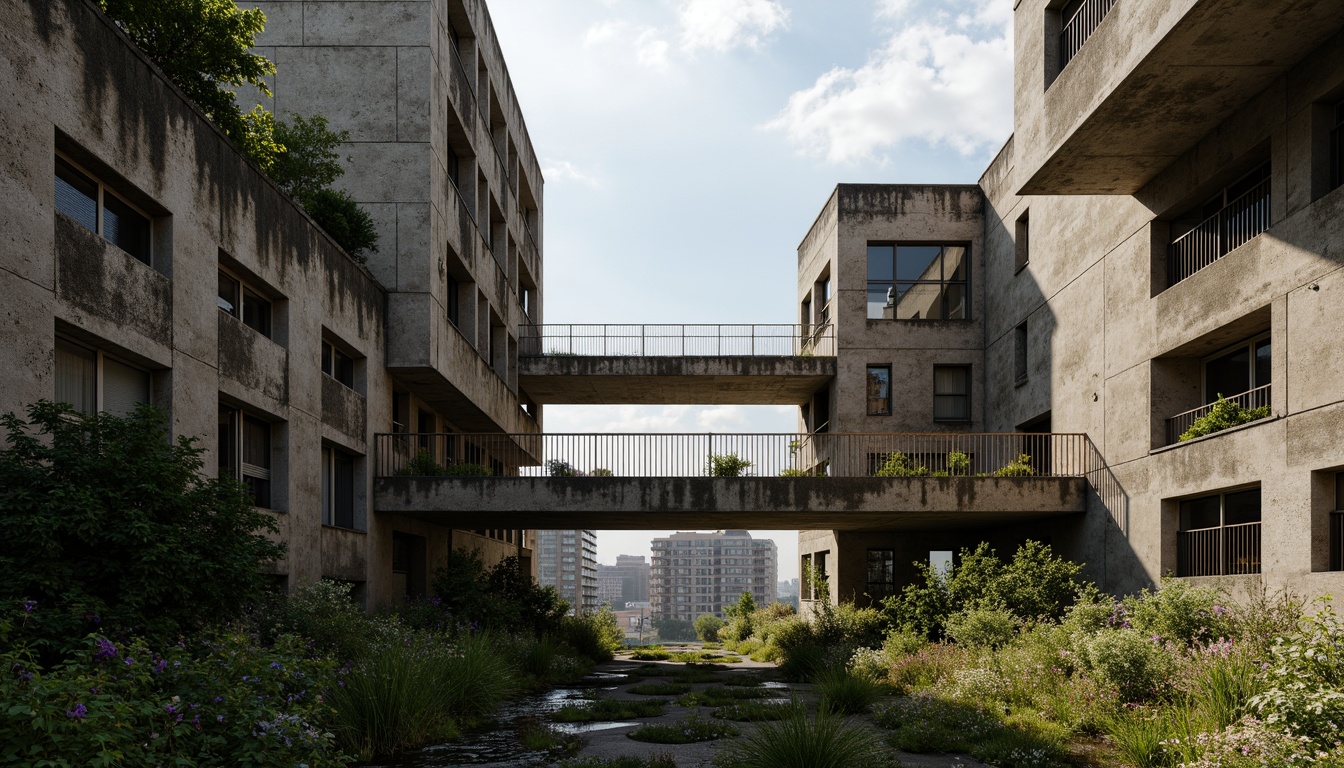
[(1080, 26), (676, 340), (1224, 551), (1178, 424), (749, 455), (1236, 223)]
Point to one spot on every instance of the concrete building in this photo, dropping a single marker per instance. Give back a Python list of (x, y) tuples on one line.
[(147, 261), (1163, 227), (567, 560), (698, 573), (625, 582)]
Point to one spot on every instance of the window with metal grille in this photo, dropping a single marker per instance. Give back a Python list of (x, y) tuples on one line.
[(881, 572)]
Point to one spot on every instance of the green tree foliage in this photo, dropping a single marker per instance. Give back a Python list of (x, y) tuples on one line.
[(900, 465), (107, 526), (503, 597), (707, 627), (727, 465), (348, 224), (674, 630), (310, 160), (203, 46)]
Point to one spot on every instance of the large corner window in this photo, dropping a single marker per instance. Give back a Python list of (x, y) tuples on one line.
[(91, 381), (879, 390), (917, 282), (1219, 535), (952, 393), (88, 201), (245, 453), (1226, 220), (238, 299), (338, 488)]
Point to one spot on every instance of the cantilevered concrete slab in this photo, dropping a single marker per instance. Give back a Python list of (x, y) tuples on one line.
[(1152, 80), (819, 503), (690, 380)]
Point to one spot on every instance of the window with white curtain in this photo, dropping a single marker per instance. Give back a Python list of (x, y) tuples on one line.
[(92, 381), (951, 393)]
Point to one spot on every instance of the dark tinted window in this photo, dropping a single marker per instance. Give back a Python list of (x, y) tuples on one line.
[(76, 195), (125, 228), (1199, 513)]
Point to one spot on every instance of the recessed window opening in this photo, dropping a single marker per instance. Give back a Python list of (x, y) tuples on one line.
[(1337, 147), (881, 573), (245, 452), (1020, 352), (338, 488), (237, 299), (1224, 221), (454, 301), (1079, 19), (952, 393), (917, 282), (879, 390), (1219, 534), (337, 364), (1022, 243), (1337, 526), (94, 382), (101, 211)]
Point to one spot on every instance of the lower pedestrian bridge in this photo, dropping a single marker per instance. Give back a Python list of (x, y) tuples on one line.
[(829, 481)]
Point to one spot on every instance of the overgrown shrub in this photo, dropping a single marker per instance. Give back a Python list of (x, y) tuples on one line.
[(707, 627), (503, 598), (898, 464), (826, 740), (109, 527), (984, 626), (727, 465), (323, 613), (1223, 415), (1304, 682), (1018, 467), (348, 224), (1180, 613), (846, 691), (596, 636), (1129, 660)]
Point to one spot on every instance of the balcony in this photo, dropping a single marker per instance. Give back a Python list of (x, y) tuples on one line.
[(1253, 406), (675, 364), (1229, 550), (1210, 240), (1079, 22), (826, 481)]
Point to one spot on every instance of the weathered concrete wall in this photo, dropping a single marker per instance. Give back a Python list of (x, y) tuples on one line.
[(637, 503), (730, 380)]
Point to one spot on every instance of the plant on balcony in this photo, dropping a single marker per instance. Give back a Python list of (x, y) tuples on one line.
[(467, 470), (1223, 415), (424, 465), (794, 473), (727, 465), (1019, 467), (900, 465), (561, 468)]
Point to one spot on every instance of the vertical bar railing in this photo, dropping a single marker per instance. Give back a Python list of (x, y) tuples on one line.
[(645, 340), (1210, 240), (1223, 551), (1079, 27), (1260, 397)]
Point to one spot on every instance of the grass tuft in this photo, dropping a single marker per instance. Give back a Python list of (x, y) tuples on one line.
[(659, 689), (609, 709), (687, 730), (846, 691), (754, 711), (797, 741)]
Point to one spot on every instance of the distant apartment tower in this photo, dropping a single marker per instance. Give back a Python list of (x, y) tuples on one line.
[(567, 560), (698, 573), (625, 582)]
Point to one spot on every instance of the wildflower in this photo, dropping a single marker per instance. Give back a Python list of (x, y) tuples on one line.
[(78, 712), (129, 661), (106, 650), (160, 666), (1219, 610), (29, 605)]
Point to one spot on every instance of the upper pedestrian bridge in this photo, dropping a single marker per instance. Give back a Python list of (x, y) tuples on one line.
[(675, 364)]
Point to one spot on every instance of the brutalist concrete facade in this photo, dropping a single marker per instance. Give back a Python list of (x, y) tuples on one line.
[(1094, 311), (323, 353)]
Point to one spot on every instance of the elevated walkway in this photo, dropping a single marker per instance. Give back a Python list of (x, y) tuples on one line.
[(675, 364), (822, 481)]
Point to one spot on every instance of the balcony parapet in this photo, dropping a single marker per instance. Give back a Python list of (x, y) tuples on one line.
[(1254, 405), (696, 340)]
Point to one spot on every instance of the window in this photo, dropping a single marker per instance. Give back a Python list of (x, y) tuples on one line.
[(90, 203), (940, 560), (917, 282), (337, 364), (879, 390), (1337, 147), (245, 452), (92, 381), (1240, 370), (236, 298), (824, 300), (1229, 218), (881, 572), (1020, 352), (1219, 534), (1022, 243), (454, 303), (1078, 20), (338, 488), (1337, 526), (951, 393)]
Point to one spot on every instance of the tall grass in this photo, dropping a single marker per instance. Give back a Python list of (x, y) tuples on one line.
[(824, 741), (415, 689), (847, 691)]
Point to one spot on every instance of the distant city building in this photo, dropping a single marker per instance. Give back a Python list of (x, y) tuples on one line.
[(625, 582), (699, 573), (567, 560)]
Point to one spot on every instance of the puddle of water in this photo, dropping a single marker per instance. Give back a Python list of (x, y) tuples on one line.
[(596, 676), (775, 684), (587, 727)]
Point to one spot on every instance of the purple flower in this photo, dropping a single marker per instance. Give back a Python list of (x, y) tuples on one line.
[(170, 709), (29, 605), (275, 665), (159, 666), (129, 661), (1219, 610), (106, 650), (77, 713), (219, 718)]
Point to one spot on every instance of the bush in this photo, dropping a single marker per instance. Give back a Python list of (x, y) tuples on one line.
[(846, 691), (824, 741), (674, 630), (707, 627), (902, 642), (687, 730), (1019, 467), (222, 700), (503, 598), (900, 465), (850, 627), (1304, 682), (309, 161), (594, 635), (414, 689), (324, 613), (1223, 415), (342, 218), (107, 526), (1128, 660), (986, 626), (727, 465), (1180, 613)]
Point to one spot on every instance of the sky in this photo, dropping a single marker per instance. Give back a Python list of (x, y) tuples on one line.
[(688, 145)]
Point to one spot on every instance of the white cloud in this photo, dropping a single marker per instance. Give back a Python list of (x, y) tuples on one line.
[(645, 42), (558, 171), (651, 50), (723, 25), (944, 79), (601, 33)]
